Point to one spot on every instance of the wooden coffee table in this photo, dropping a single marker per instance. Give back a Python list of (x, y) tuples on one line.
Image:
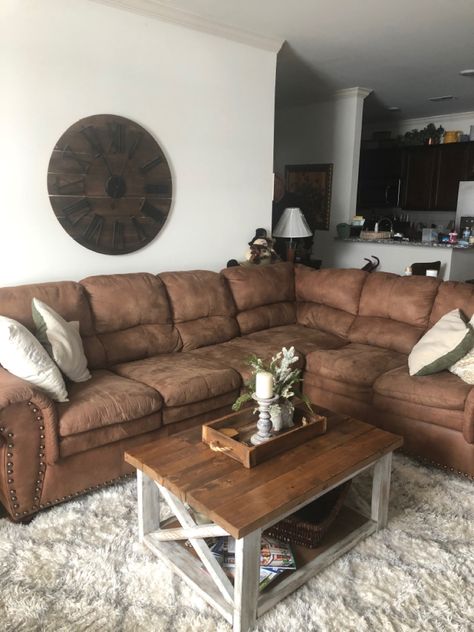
[(240, 502)]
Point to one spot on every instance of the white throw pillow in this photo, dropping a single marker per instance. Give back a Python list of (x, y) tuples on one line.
[(61, 340), (443, 345), (464, 368), (23, 355)]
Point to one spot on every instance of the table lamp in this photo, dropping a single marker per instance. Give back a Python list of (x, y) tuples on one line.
[(292, 225)]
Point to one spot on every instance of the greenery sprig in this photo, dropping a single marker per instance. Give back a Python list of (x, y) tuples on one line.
[(286, 378)]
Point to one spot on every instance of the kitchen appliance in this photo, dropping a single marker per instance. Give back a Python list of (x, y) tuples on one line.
[(465, 207)]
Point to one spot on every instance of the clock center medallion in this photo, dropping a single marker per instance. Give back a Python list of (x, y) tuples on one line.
[(115, 187)]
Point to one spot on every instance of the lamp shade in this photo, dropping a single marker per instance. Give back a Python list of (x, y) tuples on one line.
[(292, 224)]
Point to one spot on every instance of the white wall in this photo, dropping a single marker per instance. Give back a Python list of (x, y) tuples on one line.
[(208, 101), (326, 132)]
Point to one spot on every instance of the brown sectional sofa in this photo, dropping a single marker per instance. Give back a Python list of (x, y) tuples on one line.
[(168, 352)]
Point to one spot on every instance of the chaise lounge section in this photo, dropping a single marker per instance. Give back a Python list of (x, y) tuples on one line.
[(169, 351)]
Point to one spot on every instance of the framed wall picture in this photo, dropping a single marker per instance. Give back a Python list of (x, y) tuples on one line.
[(310, 188)]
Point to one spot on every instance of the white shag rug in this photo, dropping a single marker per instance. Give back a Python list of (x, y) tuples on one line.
[(79, 567)]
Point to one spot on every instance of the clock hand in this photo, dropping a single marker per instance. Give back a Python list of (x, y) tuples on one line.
[(131, 152), (106, 163)]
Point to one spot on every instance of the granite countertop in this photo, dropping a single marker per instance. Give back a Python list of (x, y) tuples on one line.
[(395, 242)]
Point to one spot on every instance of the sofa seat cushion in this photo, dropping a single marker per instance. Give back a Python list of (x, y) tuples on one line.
[(74, 444), (305, 339), (440, 390), (104, 400), (182, 378), (354, 364), (201, 411), (352, 391), (236, 354), (402, 409)]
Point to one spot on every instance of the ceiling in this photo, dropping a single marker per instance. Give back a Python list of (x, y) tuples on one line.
[(405, 50)]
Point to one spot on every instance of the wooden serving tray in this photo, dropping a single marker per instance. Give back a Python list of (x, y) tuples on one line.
[(244, 423)]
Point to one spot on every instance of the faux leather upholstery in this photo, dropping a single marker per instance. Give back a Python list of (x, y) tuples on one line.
[(65, 297), (441, 390), (354, 364), (102, 436), (236, 353), (452, 295), (394, 311), (305, 339), (132, 318), (202, 307), (105, 400), (264, 296), (181, 378), (328, 299)]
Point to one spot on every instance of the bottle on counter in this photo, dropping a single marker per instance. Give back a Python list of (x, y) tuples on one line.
[(466, 234)]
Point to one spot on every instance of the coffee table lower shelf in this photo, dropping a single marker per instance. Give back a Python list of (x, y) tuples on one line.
[(347, 530)]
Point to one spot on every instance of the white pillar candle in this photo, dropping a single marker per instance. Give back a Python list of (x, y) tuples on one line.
[(264, 385)]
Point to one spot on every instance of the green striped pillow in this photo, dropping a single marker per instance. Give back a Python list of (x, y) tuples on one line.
[(444, 344)]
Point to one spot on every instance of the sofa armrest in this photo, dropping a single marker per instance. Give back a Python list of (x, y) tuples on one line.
[(28, 442), (468, 428)]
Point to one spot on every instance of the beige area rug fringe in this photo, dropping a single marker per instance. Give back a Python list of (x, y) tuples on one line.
[(78, 568)]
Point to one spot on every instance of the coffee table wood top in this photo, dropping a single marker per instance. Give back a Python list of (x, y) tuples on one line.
[(241, 500)]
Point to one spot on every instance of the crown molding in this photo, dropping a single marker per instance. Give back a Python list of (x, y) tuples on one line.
[(352, 92), (438, 118), (421, 121), (154, 9)]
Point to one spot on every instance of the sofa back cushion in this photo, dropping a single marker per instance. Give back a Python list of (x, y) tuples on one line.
[(131, 317), (66, 297), (328, 299), (203, 310), (452, 295), (264, 295), (394, 311)]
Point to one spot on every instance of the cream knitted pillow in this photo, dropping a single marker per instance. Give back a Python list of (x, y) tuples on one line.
[(464, 368)]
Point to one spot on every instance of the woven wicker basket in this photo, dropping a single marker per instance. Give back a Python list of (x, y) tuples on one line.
[(371, 234), (309, 525)]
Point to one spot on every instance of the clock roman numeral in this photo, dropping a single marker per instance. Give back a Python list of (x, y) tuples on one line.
[(151, 164), (94, 229), (77, 210), (90, 135), (82, 162), (117, 145), (80, 205), (139, 229), (151, 211), (158, 189), (118, 238), (67, 185)]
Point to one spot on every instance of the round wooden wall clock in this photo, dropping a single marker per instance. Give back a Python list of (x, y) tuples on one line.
[(109, 184)]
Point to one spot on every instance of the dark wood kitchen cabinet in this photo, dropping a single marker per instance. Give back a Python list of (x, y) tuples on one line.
[(418, 178), (421, 178), (379, 177), (431, 175), (452, 166)]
